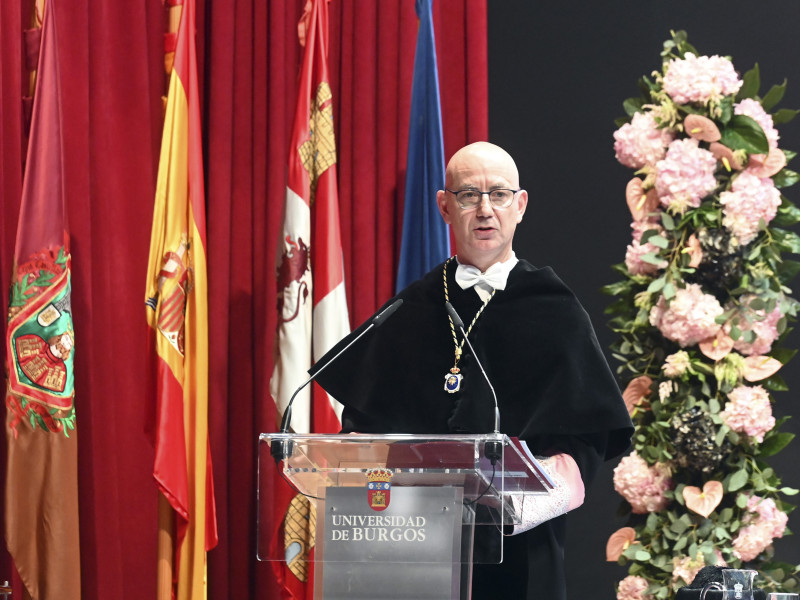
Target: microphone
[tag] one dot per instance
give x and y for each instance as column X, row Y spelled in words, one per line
column 492, row 449
column 283, row 449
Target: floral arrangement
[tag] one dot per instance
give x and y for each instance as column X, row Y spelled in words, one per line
column 700, row 313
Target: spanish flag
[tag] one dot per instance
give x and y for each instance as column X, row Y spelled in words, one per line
column 177, row 311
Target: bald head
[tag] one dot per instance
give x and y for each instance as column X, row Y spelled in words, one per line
column 482, row 153
column 484, row 232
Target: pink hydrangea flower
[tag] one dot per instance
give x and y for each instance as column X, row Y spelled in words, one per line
column 676, row 364
column 768, row 514
column 749, row 411
column 639, row 227
column 690, row 316
column 635, row 251
column 632, row 588
column 642, row 485
column 764, row 523
column 685, row 175
column 686, row 568
column 764, row 325
column 641, row 142
column 750, row 542
column 749, row 200
column 700, row 79
column 634, row 262
column 753, row 109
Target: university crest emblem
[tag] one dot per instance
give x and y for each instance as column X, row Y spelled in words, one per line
column 379, row 488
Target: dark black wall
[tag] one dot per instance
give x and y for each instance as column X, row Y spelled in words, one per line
column 558, row 73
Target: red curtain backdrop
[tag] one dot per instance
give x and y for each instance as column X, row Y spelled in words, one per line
column 112, row 56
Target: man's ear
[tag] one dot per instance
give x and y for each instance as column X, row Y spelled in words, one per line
column 522, row 204
column 444, row 208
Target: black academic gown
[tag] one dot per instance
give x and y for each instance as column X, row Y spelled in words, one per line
column 553, row 385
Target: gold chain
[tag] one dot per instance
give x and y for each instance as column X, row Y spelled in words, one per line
column 459, row 347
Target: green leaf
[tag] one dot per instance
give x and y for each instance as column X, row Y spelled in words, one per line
column 632, row 106
column 667, row 221
column 743, row 133
column 751, row 81
column 656, row 285
column 775, row 384
column 783, row 355
column 669, row 291
column 737, row 480
column 615, row 289
column 651, row 258
column 785, row 178
column 773, row 96
column 784, row 115
column 787, row 240
column 775, row 443
column 642, row 555
column 658, row 241
column 787, row 270
column 788, row 215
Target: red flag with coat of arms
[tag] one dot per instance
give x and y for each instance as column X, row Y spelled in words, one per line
column 311, row 296
column 41, row 517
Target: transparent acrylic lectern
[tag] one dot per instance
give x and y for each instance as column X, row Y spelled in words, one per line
column 392, row 516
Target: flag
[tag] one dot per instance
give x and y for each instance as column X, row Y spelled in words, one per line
column 177, row 311
column 312, row 308
column 41, row 517
column 426, row 240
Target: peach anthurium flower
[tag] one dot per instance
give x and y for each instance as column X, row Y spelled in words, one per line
column 767, row 165
column 757, row 367
column 718, row 347
column 726, row 156
column 694, row 250
column 637, row 390
column 703, row 502
column 619, row 542
column 701, row 128
column 640, row 204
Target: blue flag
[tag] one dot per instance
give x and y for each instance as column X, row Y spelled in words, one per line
column 426, row 240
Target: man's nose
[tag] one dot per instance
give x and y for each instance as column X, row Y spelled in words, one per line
column 485, row 207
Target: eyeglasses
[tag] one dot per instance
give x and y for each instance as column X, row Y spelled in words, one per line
column 470, row 198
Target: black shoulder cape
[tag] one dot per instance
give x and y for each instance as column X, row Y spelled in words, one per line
column 535, row 342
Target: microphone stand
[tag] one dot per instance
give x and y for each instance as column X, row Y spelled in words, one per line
column 493, row 450
column 284, row 448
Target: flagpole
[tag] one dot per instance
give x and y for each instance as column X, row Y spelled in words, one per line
column 166, row 549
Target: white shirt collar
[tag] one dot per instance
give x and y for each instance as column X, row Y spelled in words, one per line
column 494, row 278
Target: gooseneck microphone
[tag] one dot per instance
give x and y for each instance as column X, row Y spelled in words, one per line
column 283, row 449
column 492, row 449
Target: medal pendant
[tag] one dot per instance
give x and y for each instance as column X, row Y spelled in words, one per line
column 452, row 382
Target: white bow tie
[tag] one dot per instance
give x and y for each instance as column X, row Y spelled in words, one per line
column 495, row 276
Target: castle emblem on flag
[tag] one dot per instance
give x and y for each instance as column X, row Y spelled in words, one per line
column 318, row 153
column 379, row 488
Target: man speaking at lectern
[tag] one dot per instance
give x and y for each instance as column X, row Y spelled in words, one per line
column 554, row 388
